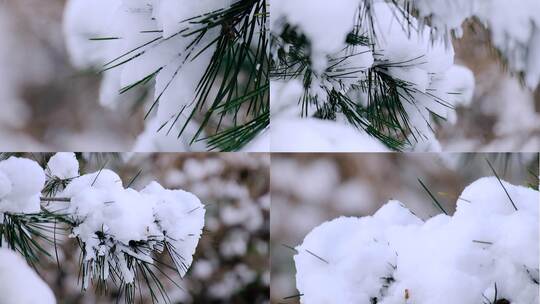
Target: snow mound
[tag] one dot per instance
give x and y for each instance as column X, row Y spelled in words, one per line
column 19, row 284
column 21, row 181
column 141, row 38
column 487, row 248
column 315, row 135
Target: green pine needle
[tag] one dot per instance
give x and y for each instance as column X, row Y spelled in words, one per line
column 435, row 201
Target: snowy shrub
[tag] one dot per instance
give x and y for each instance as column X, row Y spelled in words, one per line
column 119, row 229
column 486, row 252
column 205, row 61
column 384, row 68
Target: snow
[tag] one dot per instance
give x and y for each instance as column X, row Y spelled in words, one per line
column 308, row 16
column 169, row 213
column 261, row 143
column 115, row 224
column 83, row 21
column 434, row 83
column 21, row 181
column 291, row 133
column 514, row 27
column 100, row 203
column 396, row 257
column 5, row 185
column 64, row 165
column 427, row 61
column 150, row 31
column 153, row 139
column 19, row 284
column 315, row 135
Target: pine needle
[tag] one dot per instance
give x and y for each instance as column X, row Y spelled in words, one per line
column 502, row 185
column 435, row 201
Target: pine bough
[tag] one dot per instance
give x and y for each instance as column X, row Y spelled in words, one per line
column 119, row 230
column 384, row 69
column 205, row 61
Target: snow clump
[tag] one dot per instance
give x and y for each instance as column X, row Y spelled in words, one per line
column 21, row 181
column 487, row 251
column 64, row 165
column 112, row 221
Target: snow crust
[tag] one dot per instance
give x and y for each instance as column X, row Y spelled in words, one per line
column 21, row 181
column 19, row 284
column 395, row 257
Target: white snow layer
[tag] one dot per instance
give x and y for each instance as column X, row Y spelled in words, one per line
column 291, row 133
column 64, row 165
column 151, row 31
column 393, row 257
column 436, row 84
column 21, row 182
column 102, row 206
column 315, row 135
column 19, row 284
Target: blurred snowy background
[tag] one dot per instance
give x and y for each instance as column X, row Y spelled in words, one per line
column 504, row 115
column 308, row 190
column 231, row 262
column 48, row 105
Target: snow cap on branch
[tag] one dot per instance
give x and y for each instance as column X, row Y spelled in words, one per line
column 120, row 218
column 64, row 165
column 21, row 182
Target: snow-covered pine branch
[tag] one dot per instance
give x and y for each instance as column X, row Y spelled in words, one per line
column 382, row 70
column 486, row 252
column 205, row 61
column 119, row 230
